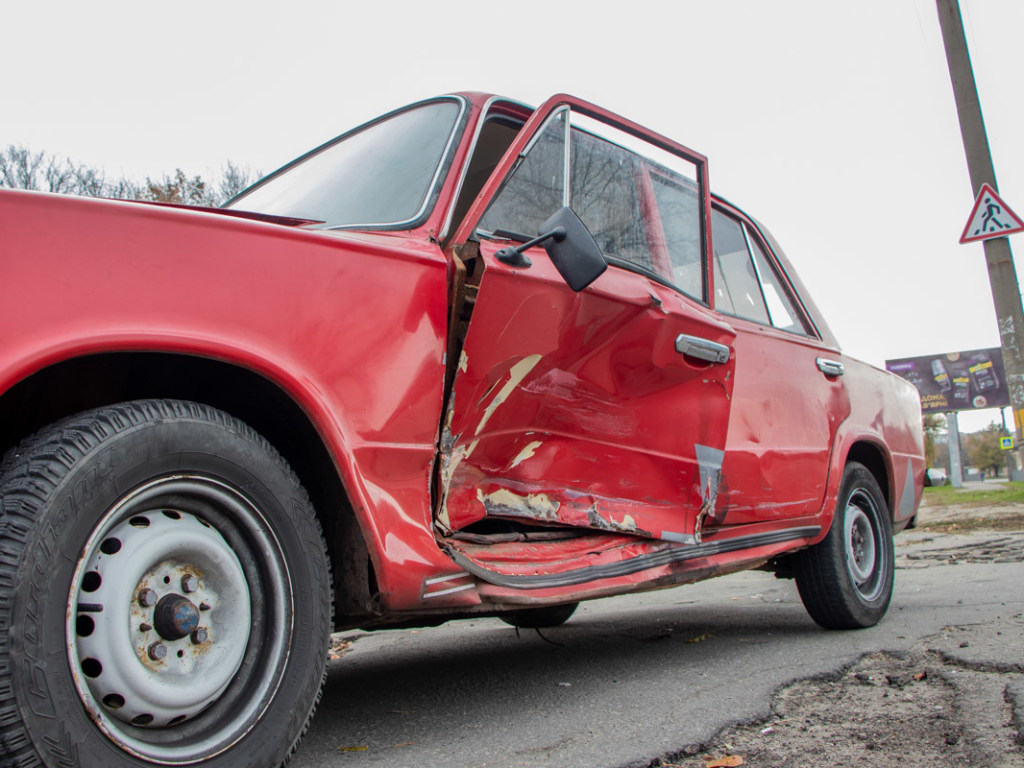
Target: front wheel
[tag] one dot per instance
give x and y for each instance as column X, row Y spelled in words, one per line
column 166, row 589
column 846, row 580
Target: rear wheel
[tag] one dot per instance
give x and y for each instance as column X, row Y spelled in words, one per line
column 164, row 580
column 846, row 581
column 542, row 617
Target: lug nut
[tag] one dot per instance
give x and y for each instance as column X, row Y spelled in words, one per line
column 157, row 651
column 199, row 636
column 147, row 598
column 189, row 583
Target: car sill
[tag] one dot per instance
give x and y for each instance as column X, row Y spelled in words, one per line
column 626, row 567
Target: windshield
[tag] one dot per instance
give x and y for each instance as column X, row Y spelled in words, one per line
column 383, row 174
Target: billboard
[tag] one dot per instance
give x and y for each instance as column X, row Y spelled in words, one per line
column 958, row 381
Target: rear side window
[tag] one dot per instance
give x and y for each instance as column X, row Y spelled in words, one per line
column 737, row 290
column 747, row 284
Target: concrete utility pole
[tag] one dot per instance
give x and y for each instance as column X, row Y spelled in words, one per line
column 956, row 467
column 1002, row 274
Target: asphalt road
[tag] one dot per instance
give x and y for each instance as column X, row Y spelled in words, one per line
column 632, row 678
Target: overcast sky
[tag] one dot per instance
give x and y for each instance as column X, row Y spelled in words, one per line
column 831, row 122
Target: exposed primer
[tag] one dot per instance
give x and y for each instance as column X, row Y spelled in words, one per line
column 698, row 524
column 679, row 538
column 447, row 440
column 709, row 461
column 596, row 520
column 444, row 522
column 463, row 362
column 516, row 375
column 526, row 453
column 450, row 463
column 536, row 506
column 658, row 303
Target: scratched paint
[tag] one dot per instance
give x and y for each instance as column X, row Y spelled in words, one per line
column 526, row 453
column 449, row 464
column 515, row 377
column 536, row 506
column 574, row 398
column 453, row 454
column 627, row 525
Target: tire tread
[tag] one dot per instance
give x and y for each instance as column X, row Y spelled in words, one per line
column 32, row 470
column 821, row 577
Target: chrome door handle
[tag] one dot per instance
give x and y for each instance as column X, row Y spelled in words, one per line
column 830, row 367
column 702, row 349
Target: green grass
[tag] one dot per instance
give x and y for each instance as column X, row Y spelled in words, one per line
column 1001, row 493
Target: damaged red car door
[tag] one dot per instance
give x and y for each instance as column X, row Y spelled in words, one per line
column 605, row 409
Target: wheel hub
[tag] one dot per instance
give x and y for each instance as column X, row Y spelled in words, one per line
column 860, row 542
column 149, row 655
column 175, row 617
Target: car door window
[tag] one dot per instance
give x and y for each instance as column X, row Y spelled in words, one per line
column 535, row 189
column 642, row 204
column 679, row 217
column 604, row 194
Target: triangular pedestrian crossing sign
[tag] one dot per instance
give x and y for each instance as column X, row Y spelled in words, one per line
column 990, row 218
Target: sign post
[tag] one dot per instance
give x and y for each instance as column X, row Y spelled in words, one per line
column 1002, row 274
column 956, row 467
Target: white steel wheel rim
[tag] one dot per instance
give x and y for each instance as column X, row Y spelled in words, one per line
column 151, row 704
column 165, row 559
column 862, row 547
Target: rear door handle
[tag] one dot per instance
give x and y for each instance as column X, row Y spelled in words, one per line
column 830, row 367
column 702, row 349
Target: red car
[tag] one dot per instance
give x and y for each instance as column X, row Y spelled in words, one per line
column 469, row 358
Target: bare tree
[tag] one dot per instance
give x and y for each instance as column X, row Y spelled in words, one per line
column 20, row 168
column 233, row 180
column 178, row 189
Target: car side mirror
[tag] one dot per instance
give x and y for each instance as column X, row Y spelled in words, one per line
column 576, row 255
column 570, row 246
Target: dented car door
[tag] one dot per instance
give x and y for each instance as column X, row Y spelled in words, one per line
column 605, row 409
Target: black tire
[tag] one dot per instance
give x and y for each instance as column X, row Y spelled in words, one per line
column 540, row 618
column 846, row 580
column 157, row 523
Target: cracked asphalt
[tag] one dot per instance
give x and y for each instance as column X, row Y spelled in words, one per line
column 673, row 677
